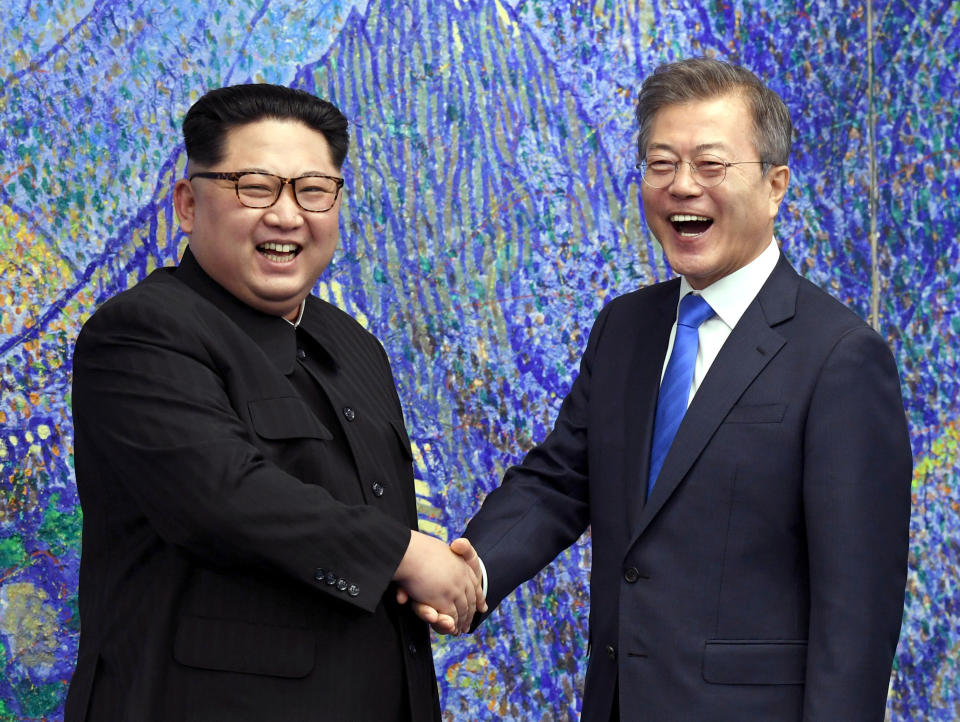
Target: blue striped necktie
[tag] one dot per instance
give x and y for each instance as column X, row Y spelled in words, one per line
column 675, row 387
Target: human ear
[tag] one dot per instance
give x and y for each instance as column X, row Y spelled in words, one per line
column 184, row 204
column 779, row 178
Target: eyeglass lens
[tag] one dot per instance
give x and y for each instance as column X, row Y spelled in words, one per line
column 708, row 171
column 313, row 193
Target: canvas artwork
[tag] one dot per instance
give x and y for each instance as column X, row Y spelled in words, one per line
column 491, row 209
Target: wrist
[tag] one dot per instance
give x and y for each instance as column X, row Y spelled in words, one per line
column 403, row 570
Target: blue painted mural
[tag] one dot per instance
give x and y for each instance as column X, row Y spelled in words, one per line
column 491, row 210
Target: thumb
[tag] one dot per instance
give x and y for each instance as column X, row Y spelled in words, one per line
column 464, row 548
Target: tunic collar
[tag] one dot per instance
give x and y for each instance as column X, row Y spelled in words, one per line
column 275, row 336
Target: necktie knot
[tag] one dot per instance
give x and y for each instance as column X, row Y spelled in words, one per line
column 694, row 310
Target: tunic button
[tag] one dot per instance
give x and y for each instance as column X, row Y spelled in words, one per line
column 377, row 488
column 331, row 578
column 631, row 575
column 353, row 590
column 301, row 354
column 412, row 648
column 611, row 652
column 349, row 414
column 342, row 585
column 320, row 575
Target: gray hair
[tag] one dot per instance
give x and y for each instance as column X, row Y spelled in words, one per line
column 697, row 79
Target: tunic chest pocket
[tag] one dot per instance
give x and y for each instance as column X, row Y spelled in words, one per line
column 401, row 435
column 286, row 417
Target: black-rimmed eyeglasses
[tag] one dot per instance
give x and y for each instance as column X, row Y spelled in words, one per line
column 708, row 170
column 315, row 193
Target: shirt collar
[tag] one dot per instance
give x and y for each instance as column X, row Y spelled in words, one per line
column 730, row 295
column 296, row 323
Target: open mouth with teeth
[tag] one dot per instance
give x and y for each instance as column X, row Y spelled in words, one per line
column 279, row 252
column 688, row 225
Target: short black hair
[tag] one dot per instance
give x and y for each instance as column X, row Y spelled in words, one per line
column 218, row 111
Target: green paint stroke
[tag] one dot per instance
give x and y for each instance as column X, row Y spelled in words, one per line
column 37, row 701
column 12, row 552
column 60, row 531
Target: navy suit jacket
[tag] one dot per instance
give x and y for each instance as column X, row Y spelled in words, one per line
column 764, row 577
column 238, row 548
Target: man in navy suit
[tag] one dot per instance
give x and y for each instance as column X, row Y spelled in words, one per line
column 750, row 553
column 242, row 462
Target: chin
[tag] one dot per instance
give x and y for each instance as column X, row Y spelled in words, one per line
column 684, row 263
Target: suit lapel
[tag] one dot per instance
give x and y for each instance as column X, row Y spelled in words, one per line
column 749, row 348
column 642, row 387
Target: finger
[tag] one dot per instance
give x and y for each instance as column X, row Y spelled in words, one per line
column 464, row 548
column 445, row 624
column 402, row 596
column 463, row 611
column 477, row 575
column 471, row 595
column 481, row 599
column 465, row 604
column 450, row 612
column 427, row 613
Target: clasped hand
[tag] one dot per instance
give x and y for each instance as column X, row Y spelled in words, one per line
column 442, row 583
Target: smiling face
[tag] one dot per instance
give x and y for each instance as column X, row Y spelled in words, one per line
column 708, row 233
column 269, row 258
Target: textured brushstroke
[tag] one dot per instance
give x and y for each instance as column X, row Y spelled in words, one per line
column 491, row 210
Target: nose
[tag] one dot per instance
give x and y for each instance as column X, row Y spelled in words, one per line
column 285, row 213
column 684, row 184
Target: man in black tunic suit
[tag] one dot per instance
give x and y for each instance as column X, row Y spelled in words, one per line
column 243, row 467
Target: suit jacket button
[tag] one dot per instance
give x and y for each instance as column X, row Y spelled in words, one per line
column 353, row 590
column 301, row 354
column 349, row 414
column 377, row 488
column 631, row 575
column 611, row 652
column 320, row 575
column 412, row 648
column 331, row 578
column 342, row 585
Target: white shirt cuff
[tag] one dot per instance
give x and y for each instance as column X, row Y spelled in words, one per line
column 483, row 573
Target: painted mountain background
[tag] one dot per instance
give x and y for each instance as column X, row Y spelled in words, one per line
column 491, row 209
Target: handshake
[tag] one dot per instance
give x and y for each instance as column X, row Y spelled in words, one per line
column 443, row 584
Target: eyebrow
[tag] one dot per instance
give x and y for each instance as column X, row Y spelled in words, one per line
column 712, row 146
column 305, row 174
column 659, row 146
column 699, row 149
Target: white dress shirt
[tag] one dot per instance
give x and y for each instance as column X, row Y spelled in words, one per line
column 729, row 298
